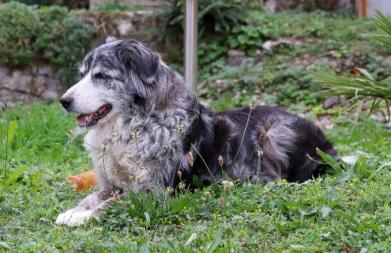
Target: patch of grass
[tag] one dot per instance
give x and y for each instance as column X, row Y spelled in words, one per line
column 345, row 210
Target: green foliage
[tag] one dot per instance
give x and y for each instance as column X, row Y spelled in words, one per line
column 258, row 28
column 313, row 5
column 145, row 210
column 68, row 3
column 365, row 86
column 356, row 88
column 215, row 17
column 63, row 39
column 52, row 34
column 115, row 6
column 18, row 28
column 216, row 20
column 384, row 25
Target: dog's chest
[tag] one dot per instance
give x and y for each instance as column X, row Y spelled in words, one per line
column 133, row 157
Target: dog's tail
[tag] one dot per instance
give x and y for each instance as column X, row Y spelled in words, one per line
column 277, row 139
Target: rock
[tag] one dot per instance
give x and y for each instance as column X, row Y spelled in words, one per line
column 282, row 5
column 331, row 102
column 272, row 44
column 235, row 57
column 324, row 122
column 143, row 25
column 30, row 84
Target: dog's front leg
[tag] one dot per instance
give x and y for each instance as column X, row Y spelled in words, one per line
column 86, row 209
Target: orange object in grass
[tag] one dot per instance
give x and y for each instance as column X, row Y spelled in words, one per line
column 84, row 181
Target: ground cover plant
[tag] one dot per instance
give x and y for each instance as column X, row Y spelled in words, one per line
column 348, row 210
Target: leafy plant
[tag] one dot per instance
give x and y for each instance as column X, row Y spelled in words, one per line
column 68, row 3
column 257, row 28
column 216, row 20
column 215, row 17
column 364, row 86
column 63, row 39
column 146, row 209
column 18, row 29
column 115, row 6
column 313, row 5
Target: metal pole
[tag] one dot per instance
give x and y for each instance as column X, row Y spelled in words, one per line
column 191, row 35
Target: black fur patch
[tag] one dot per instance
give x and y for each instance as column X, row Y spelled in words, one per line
column 235, row 136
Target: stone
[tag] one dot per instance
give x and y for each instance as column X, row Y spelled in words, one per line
column 235, row 57
column 270, row 45
column 143, row 25
column 324, row 122
column 331, row 102
column 30, row 84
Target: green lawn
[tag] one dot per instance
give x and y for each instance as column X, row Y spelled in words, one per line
column 347, row 210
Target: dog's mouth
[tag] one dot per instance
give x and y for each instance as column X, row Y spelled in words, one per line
column 90, row 119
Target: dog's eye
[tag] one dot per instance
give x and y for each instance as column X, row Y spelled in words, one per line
column 100, row 75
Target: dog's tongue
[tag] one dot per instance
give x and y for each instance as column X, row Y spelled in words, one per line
column 82, row 120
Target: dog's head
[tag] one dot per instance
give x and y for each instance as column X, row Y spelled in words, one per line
column 120, row 76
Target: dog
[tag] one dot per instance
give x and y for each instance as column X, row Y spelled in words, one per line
column 148, row 132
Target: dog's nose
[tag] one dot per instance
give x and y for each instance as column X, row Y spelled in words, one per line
column 66, row 102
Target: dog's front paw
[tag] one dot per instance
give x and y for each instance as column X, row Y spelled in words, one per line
column 75, row 217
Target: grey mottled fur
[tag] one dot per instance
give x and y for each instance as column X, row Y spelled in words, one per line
column 138, row 146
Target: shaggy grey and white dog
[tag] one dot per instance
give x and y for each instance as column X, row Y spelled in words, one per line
column 147, row 132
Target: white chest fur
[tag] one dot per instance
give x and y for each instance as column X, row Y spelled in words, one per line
column 137, row 155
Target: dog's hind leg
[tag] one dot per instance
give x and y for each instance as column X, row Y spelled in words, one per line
column 88, row 208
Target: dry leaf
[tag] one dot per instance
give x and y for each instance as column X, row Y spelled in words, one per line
column 84, row 181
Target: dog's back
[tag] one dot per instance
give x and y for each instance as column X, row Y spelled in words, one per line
column 259, row 143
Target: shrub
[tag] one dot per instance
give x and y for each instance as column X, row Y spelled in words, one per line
column 363, row 86
column 63, row 39
column 215, row 17
column 313, row 5
column 68, row 3
column 18, row 27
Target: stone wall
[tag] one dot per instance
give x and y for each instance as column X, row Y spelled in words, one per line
column 144, row 25
column 30, row 84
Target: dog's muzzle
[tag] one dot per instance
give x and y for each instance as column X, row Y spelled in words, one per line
column 66, row 102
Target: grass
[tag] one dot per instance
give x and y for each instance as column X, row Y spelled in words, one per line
column 348, row 210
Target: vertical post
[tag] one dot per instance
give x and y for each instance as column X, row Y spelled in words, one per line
column 364, row 8
column 191, row 35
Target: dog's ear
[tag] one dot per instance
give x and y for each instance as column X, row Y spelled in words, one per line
column 140, row 59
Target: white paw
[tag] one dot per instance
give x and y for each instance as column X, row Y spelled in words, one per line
column 74, row 217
